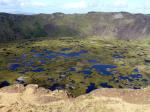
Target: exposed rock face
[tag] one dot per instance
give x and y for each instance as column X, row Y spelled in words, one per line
column 17, row 98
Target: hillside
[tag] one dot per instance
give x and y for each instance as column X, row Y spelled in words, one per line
column 18, row 98
column 121, row 25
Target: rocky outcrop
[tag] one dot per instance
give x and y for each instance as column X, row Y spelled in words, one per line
column 17, row 98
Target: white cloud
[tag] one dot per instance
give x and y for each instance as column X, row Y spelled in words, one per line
column 39, row 4
column 22, row 3
column 75, row 5
column 113, row 4
column 146, row 6
column 120, row 3
column 32, row 4
column 7, row 2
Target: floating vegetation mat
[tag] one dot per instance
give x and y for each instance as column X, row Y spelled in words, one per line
column 77, row 65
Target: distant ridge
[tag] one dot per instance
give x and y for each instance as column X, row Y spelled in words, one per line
column 121, row 25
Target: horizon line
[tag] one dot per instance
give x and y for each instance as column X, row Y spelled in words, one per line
column 30, row 13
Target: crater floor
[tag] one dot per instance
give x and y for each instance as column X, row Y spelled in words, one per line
column 76, row 65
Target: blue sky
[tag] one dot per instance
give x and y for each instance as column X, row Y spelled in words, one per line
column 74, row 6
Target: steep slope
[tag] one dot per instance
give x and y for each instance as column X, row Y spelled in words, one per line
column 18, row 98
column 121, row 25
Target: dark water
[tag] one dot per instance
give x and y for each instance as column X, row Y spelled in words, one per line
column 87, row 72
column 147, row 61
column 35, row 61
column 57, row 86
column 4, row 83
column 136, row 87
column 136, row 70
column 144, row 80
column 72, row 69
column 135, row 75
column 91, row 87
column 124, row 78
column 14, row 67
column 104, row 69
column 38, row 70
column 106, row 85
column 51, row 54
column 100, row 68
column 41, row 57
column 73, row 54
column 92, row 61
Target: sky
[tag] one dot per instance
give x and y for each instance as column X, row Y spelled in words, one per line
column 74, row 6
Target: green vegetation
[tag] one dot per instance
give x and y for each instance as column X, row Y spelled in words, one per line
column 104, row 25
column 133, row 55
